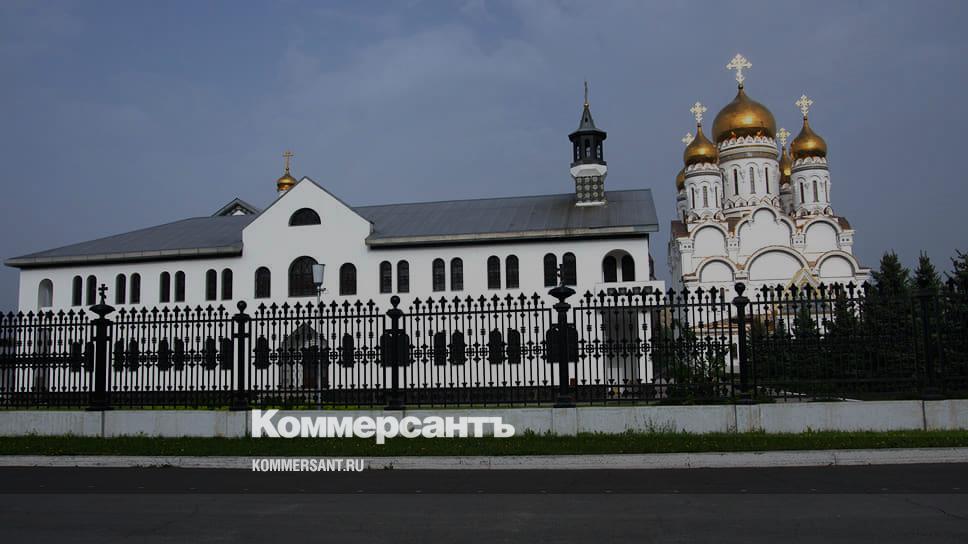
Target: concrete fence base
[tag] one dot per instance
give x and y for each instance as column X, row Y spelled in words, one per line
column 770, row 418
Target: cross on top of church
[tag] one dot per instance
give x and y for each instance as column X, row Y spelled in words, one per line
column 688, row 138
column 804, row 104
column 782, row 135
column 288, row 155
column 586, row 93
column 697, row 110
column 739, row 63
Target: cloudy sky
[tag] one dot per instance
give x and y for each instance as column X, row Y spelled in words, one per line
column 120, row 115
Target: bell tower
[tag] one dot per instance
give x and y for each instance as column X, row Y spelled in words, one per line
column 588, row 166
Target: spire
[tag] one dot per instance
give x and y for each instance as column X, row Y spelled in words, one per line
column 588, row 167
column 586, row 123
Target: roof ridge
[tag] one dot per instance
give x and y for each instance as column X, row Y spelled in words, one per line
column 490, row 198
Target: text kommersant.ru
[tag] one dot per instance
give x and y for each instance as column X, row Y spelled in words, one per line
column 265, row 423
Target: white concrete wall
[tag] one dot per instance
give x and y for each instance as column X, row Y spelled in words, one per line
column 771, row 418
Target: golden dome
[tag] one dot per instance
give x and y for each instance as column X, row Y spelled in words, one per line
column 681, row 179
column 700, row 150
column 808, row 143
column 286, row 181
column 743, row 117
column 786, row 166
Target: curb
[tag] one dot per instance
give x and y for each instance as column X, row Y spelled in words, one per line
column 649, row 461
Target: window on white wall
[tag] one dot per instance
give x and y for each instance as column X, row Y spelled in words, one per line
column 45, row 294
column 816, row 194
column 179, row 286
column 439, row 275
column 211, row 285
column 569, row 269
column 135, row 293
column 226, row 284
column 164, row 287
column 263, row 283
column 456, row 274
column 403, row 277
column 511, row 272
column 752, row 180
column 120, row 288
column 90, row 294
column 705, row 196
column 77, row 291
column 386, row 277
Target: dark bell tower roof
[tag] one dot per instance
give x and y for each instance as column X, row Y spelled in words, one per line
column 588, row 140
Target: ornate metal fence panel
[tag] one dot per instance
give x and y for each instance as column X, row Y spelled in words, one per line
column 311, row 355
column 180, row 356
column 478, row 351
column 46, row 359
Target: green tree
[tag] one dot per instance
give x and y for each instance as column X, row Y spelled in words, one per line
column 960, row 270
column 892, row 278
column 925, row 276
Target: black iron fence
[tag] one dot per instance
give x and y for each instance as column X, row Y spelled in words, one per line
column 775, row 344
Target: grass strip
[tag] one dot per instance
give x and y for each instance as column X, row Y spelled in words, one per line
column 526, row 444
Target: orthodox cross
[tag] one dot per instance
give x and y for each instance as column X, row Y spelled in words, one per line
column 783, row 134
column 739, row 63
column 102, row 291
column 586, row 93
column 697, row 110
column 688, row 138
column 288, row 155
column 804, row 104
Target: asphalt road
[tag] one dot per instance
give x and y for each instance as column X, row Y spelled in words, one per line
column 904, row 503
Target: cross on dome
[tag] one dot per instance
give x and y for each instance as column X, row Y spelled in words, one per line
column 688, row 138
column 782, row 135
column 288, row 155
column 697, row 110
column 739, row 63
column 804, row 104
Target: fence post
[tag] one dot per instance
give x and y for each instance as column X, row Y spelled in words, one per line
column 391, row 354
column 102, row 344
column 240, row 398
column 562, row 292
column 741, row 302
column 929, row 388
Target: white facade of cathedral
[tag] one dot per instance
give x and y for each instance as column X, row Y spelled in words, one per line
column 748, row 212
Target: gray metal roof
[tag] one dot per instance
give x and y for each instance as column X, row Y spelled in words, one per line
column 627, row 213
column 512, row 218
column 195, row 237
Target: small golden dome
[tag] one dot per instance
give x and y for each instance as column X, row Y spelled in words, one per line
column 285, row 182
column 743, row 117
column 681, row 179
column 808, row 143
column 700, row 150
column 786, row 166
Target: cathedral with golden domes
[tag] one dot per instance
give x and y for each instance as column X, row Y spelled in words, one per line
column 750, row 210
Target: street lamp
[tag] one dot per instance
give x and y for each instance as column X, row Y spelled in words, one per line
column 319, row 271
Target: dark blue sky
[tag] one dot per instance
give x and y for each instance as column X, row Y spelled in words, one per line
column 120, row 115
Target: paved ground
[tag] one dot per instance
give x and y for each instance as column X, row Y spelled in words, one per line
column 910, row 503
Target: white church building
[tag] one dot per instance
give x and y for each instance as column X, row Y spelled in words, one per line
column 748, row 212
column 596, row 239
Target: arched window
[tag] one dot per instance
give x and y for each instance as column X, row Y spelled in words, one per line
column 77, row 291
column 550, row 270
column 610, row 269
column 766, row 178
column 403, row 277
column 226, row 284
column 752, row 180
column 179, row 286
column 211, row 285
column 511, row 272
column 135, row 295
column 301, row 277
column 386, row 277
column 735, row 181
column 802, row 198
column 304, row 216
column 493, row 272
column 717, row 198
column 569, row 271
column 263, row 282
column 120, row 288
column 164, row 287
column 439, row 278
column 692, row 197
column 347, row 279
column 456, row 274
column 90, row 294
column 45, row 294
column 628, row 268
column 816, row 194
column 826, row 191
column 705, row 196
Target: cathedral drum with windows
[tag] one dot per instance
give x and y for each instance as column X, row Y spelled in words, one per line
column 746, row 211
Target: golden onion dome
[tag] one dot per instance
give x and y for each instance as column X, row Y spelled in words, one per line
column 808, row 143
column 786, row 166
column 743, row 117
column 681, row 179
column 700, row 150
column 285, row 182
